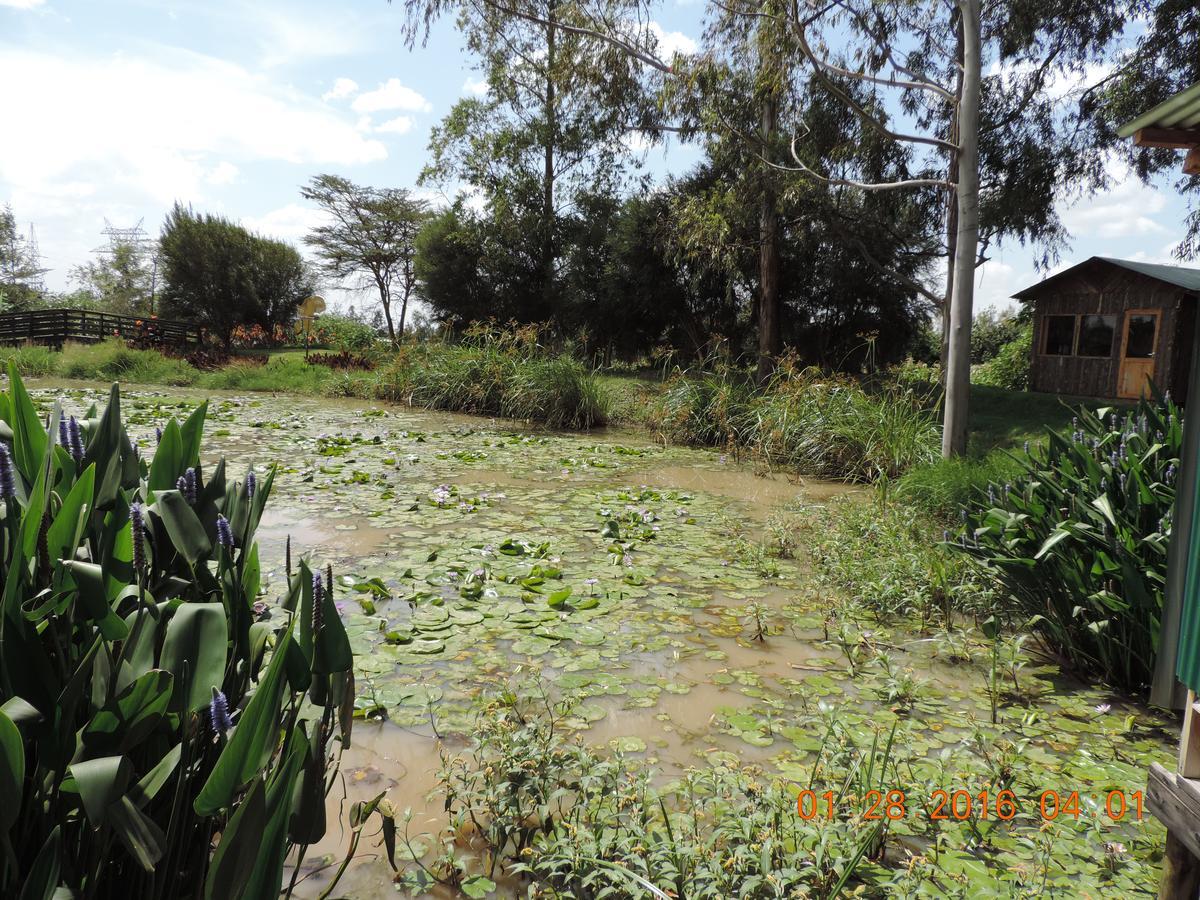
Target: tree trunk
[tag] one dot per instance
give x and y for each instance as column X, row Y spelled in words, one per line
column 951, row 213
column 769, row 344
column 551, row 125
column 386, row 300
column 966, row 248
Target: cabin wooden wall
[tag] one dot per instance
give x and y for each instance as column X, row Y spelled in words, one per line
column 1110, row 290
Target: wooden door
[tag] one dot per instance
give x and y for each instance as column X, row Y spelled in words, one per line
column 1139, row 344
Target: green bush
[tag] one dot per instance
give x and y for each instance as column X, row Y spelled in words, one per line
column 31, row 360
column 1080, row 540
column 345, row 333
column 820, row 425
column 1009, row 368
column 151, row 704
column 111, row 360
column 499, row 373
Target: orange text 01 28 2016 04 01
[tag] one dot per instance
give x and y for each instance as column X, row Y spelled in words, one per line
column 962, row 804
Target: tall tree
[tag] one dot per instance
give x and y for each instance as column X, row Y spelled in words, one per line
column 220, row 275
column 19, row 270
column 120, row 280
column 371, row 233
column 551, row 130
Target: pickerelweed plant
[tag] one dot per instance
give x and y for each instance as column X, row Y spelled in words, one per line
column 155, row 737
column 1080, row 541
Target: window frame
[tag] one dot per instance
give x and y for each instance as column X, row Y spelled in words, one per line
column 1045, row 335
column 1112, row 342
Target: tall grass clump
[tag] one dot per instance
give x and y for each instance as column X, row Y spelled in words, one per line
column 112, row 360
column 944, row 487
column 497, row 372
column 30, row 360
column 818, row 424
column 1080, row 539
column 169, row 726
column 288, row 374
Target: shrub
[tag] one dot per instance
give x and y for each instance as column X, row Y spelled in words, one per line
column 31, row 360
column 112, row 360
column 1010, row 366
column 148, row 699
column 1080, row 541
column 344, row 333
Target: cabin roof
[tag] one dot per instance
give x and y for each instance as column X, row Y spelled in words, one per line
column 1179, row 276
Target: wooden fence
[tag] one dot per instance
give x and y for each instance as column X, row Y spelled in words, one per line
column 57, row 326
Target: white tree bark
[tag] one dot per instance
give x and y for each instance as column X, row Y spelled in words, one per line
column 962, row 297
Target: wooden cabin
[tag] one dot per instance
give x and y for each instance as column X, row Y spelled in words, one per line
column 1104, row 327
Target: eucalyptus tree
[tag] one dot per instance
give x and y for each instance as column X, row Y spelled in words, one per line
column 371, row 233
column 553, row 126
column 19, row 268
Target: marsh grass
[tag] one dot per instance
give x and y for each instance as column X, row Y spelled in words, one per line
column 31, row 360
column 499, row 373
column 818, row 424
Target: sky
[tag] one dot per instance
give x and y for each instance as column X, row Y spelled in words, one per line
column 115, row 110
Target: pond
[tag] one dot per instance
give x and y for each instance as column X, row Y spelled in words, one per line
column 640, row 580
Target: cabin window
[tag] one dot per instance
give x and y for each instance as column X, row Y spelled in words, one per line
column 1140, row 334
column 1096, row 335
column 1059, row 337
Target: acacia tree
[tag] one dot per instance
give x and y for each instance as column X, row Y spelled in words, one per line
column 372, row 234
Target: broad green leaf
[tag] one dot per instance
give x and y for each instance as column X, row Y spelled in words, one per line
column 191, row 433
column 100, row 783
column 42, row 880
column 307, row 822
column 141, row 836
column 29, row 434
column 184, row 529
column 235, row 856
column 12, row 772
column 253, row 740
column 272, row 844
column 67, row 529
column 196, row 650
column 93, row 599
column 129, row 718
column 167, row 465
column 152, row 782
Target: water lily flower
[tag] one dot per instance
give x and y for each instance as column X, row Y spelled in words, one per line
column 261, row 609
column 8, row 481
column 218, row 711
column 224, row 533
column 1103, row 708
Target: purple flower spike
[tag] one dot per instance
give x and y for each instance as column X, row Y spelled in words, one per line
column 251, row 484
column 190, row 485
column 137, row 525
column 224, row 533
column 157, row 435
column 8, row 481
column 318, row 607
column 218, row 711
column 64, row 438
column 75, row 439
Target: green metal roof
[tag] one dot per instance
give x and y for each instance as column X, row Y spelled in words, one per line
column 1188, row 279
column 1179, row 111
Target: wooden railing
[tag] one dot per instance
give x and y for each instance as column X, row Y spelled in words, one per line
column 57, row 326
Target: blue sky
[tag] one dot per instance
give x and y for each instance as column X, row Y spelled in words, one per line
column 114, row 110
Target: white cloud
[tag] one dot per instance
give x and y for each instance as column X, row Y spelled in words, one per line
column 289, row 223
column 21, row 4
column 476, row 86
column 197, row 124
column 1128, row 208
column 342, row 87
column 391, row 95
column 398, row 125
column 672, row 42
column 224, row 172
column 286, row 38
